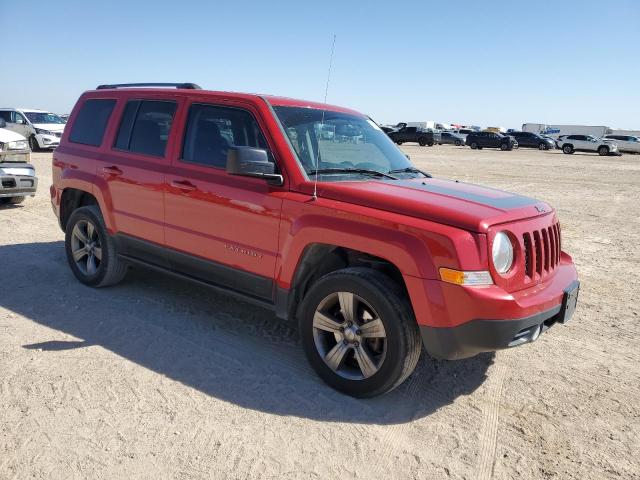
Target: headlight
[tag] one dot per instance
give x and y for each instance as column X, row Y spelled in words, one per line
column 502, row 252
column 17, row 145
column 42, row 131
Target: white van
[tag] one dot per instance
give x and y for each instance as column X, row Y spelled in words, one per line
column 43, row 129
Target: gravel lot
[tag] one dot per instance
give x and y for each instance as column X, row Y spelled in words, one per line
column 160, row 378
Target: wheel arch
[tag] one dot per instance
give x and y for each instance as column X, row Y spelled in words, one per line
column 72, row 199
column 319, row 259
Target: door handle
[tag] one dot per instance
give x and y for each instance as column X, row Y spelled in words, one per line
column 183, row 185
column 112, row 171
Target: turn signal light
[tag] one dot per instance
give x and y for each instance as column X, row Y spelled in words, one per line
column 458, row 277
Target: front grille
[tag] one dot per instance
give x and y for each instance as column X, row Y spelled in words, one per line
column 541, row 251
column 10, row 183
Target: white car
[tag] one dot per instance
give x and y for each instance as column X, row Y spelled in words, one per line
column 626, row 143
column 43, row 129
column 586, row 143
column 17, row 176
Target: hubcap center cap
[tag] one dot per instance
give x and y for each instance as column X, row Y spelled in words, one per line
column 350, row 334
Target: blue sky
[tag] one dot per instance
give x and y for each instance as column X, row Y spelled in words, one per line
column 497, row 63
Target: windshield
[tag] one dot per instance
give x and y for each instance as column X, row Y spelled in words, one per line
column 41, row 117
column 342, row 141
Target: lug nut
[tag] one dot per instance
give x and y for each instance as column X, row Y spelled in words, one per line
column 345, row 342
column 358, row 332
column 349, row 324
column 356, row 344
column 342, row 329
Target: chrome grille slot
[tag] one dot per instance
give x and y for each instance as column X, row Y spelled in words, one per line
column 541, row 250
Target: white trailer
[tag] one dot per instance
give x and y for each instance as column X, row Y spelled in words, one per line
column 556, row 130
column 422, row 125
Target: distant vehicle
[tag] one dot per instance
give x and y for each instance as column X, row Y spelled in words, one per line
column 414, row 134
column 533, row 140
column 556, row 131
column 64, row 116
column 43, row 129
column 451, row 139
column 479, row 140
column 586, row 143
column 625, row 143
column 17, row 175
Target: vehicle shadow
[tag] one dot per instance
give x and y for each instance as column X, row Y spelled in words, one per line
column 224, row 348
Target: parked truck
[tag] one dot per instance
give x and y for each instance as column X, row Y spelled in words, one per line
column 557, row 130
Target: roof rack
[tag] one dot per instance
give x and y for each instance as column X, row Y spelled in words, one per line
column 188, row 86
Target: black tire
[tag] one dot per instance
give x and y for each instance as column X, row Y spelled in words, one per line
column 33, row 144
column 16, row 200
column 504, row 147
column 543, row 146
column 430, row 144
column 568, row 149
column 402, row 337
column 111, row 269
column 603, row 151
column 458, row 143
column 422, row 141
column 473, row 145
column 398, row 142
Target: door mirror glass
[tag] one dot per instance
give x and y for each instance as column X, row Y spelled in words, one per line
column 252, row 162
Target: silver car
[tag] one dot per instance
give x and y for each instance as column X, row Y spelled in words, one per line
column 586, row 143
column 626, row 143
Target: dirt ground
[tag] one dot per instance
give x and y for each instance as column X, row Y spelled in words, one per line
column 160, row 378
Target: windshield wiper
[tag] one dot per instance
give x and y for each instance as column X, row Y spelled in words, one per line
column 363, row 171
column 410, row 170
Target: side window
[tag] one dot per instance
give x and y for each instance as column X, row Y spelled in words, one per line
column 90, row 123
column 211, row 130
column 145, row 127
column 6, row 116
column 19, row 118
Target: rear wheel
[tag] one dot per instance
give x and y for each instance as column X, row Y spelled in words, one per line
column 422, row 141
column 603, row 150
column 473, row 145
column 358, row 332
column 457, row 143
column 568, row 149
column 398, row 142
column 91, row 252
column 504, row 146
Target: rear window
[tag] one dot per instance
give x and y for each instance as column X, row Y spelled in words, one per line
column 90, row 123
column 145, row 127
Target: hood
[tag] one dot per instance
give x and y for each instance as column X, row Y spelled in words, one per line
column 7, row 136
column 52, row 127
column 454, row 203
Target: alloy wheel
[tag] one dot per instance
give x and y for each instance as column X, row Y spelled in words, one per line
column 86, row 248
column 349, row 336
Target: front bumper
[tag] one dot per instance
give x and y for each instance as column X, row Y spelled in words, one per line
column 48, row 141
column 479, row 336
column 17, row 179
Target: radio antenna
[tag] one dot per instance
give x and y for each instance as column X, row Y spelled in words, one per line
column 326, row 91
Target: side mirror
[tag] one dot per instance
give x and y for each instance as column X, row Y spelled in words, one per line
column 252, row 162
column 3, row 124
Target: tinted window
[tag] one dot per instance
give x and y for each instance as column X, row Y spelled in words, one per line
column 90, row 123
column 145, row 127
column 212, row 130
column 6, row 116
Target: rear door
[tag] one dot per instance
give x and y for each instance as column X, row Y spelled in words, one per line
column 222, row 228
column 16, row 122
column 134, row 173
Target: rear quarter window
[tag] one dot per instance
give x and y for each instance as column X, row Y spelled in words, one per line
column 145, row 126
column 91, row 122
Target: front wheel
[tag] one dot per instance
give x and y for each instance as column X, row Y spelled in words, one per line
column 422, row 142
column 358, row 332
column 458, row 143
column 12, row 200
column 504, row 147
column 33, row 143
column 603, row 151
column 398, row 142
column 91, row 252
column 543, row 146
column 473, row 145
column 568, row 149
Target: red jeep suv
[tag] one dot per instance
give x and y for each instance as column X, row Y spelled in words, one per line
column 311, row 211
